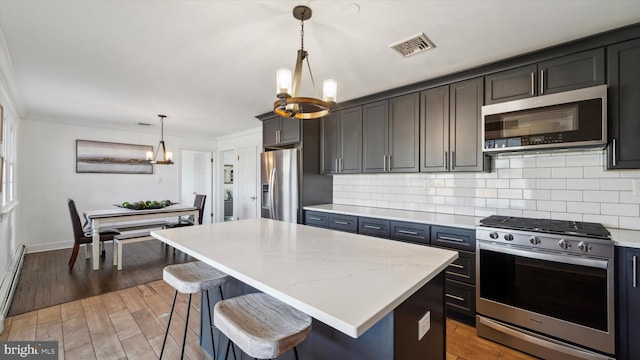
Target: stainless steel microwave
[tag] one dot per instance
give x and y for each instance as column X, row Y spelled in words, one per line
column 576, row 118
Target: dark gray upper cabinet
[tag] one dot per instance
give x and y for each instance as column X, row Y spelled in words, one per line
column 451, row 128
column 342, row 142
column 623, row 150
column 572, row 72
column 391, row 134
column 514, row 84
column 280, row 131
column 565, row 73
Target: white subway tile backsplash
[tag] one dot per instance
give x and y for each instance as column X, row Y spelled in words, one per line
column 583, row 207
column 620, row 209
column 552, row 161
column 536, row 194
column 561, row 185
column 510, row 193
column 584, row 184
column 566, row 195
column 632, row 223
column 608, row 221
column 556, row 206
column 601, row 196
column 551, row 183
column 616, row 184
column 567, row 172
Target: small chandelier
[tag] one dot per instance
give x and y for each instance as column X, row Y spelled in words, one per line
column 289, row 104
column 167, row 157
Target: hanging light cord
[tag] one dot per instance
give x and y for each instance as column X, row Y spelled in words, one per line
column 313, row 82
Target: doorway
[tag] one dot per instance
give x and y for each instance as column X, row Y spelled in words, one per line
column 196, row 178
column 227, row 184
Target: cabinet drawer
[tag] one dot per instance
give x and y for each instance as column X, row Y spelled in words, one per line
column 374, row 227
column 453, row 238
column 343, row 223
column 412, row 232
column 460, row 297
column 463, row 269
column 315, row 218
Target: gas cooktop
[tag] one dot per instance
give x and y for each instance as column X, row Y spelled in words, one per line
column 561, row 227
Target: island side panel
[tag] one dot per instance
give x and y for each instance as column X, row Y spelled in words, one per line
column 430, row 298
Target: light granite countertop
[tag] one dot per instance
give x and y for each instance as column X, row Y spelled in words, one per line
column 620, row 237
column 344, row 280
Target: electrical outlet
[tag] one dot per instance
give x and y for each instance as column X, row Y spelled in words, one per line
column 636, row 187
column 424, row 325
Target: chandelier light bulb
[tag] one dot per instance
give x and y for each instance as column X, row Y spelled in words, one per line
column 283, row 82
column 329, row 90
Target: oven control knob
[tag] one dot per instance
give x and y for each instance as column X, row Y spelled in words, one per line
column 583, row 246
column 535, row 240
column 494, row 235
column 508, row 237
column 564, row 244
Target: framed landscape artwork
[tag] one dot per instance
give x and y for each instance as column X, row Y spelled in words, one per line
column 108, row 157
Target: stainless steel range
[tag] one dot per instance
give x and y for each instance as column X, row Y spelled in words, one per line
column 546, row 287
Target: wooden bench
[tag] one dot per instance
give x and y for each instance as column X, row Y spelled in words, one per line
column 130, row 237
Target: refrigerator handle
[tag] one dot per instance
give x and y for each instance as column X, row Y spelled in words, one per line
column 272, row 190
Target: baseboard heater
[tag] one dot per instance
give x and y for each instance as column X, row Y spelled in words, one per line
column 9, row 283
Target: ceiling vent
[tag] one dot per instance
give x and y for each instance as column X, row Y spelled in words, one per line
column 413, row 45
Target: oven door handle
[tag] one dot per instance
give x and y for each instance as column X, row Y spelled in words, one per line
column 596, row 263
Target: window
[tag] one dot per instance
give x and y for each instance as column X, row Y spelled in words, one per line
column 8, row 159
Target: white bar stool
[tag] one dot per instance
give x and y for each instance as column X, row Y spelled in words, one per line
column 262, row 326
column 192, row 278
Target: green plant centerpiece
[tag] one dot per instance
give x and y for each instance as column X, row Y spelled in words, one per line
column 143, row 205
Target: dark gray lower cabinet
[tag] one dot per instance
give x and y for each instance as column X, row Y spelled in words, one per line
column 628, row 303
column 316, row 218
column 624, row 108
column 460, row 276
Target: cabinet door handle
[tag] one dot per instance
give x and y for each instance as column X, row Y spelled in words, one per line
column 457, row 274
column 389, row 161
column 446, row 160
column 315, row 218
column 384, row 163
column 278, row 136
column 453, row 160
column 447, row 238
column 456, row 266
column 336, row 163
column 414, row 233
column 341, row 164
column 373, row 227
column 613, row 146
column 533, row 83
column 454, row 297
column 341, row 222
column 542, row 82
column 634, row 261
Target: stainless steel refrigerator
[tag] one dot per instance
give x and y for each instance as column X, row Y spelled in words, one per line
column 280, row 195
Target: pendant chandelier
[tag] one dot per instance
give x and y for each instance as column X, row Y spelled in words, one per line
column 290, row 105
column 167, row 157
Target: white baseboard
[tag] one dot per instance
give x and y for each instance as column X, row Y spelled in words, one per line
column 9, row 283
column 34, row 248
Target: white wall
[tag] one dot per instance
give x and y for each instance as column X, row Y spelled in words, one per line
column 47, row 152
column 560, row 185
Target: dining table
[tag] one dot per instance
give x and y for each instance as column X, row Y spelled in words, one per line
column 98, row 219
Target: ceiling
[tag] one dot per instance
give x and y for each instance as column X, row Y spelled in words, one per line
column 210, row 65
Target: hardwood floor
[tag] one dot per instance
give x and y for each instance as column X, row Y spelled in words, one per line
column 110, row 314
column 45, row 279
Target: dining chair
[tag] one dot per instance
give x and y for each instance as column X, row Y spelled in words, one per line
column 80, row 236
column 198, row 202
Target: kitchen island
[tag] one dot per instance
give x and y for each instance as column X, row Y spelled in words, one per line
column 367, row 295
